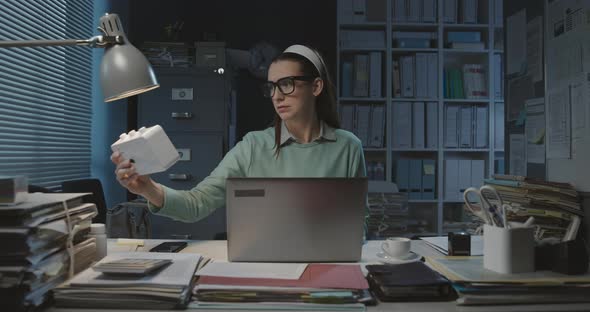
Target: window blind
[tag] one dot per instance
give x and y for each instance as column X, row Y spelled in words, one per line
column 46, row 93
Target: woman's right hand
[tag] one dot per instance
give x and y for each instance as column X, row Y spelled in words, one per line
column 127, row 176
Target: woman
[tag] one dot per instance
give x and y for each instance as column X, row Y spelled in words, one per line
column 304, row 142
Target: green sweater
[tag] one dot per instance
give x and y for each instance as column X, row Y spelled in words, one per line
column 335, row 153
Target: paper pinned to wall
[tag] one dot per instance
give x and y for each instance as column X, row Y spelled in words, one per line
column 567, row 48
column 520, row 89
column 517, row 154
column 516, row 42
column 580, row 92
column 534, row 48
column 558, row 124
column 535, row 130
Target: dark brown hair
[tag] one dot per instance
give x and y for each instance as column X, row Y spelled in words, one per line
column 325, row 102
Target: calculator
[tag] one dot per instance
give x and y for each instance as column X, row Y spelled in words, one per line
column 131, row 266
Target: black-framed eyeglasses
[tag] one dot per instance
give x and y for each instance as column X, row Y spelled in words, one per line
column 286, row 85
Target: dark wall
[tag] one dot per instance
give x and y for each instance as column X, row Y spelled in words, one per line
column 241, row 24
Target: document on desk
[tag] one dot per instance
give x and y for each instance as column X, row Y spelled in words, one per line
column 476, row 285
column 441, row 244
column 254, row 270
column 176, row 275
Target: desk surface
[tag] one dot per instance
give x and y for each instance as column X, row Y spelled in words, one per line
column 218, row 250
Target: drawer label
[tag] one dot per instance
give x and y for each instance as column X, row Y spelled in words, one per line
column 184, row 153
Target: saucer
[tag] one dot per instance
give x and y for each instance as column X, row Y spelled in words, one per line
column 411, row 257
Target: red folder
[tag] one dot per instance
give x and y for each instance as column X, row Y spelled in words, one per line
column 339, row 276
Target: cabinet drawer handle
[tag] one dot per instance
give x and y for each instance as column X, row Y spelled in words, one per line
column 179, row 176
column 184, row 115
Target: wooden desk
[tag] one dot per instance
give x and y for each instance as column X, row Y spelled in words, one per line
column 218, row 251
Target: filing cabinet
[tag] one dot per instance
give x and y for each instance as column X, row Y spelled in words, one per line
column 191, row 105
column 200, row 154
column 187, row 100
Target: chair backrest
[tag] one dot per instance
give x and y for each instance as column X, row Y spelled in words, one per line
column 89, row 186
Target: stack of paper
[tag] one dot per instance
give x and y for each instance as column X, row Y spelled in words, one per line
column 477, row 285
column 320, row 287
column 168, row 54
column 555, row 206
column 167, row 288
column 33, row 237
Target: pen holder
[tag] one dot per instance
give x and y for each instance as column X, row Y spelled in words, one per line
column 508, row 250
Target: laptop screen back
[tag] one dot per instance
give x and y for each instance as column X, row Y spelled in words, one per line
column 295, row 219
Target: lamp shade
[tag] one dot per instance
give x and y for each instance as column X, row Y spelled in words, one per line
column 124, row 70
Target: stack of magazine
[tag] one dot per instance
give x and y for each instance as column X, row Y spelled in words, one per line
column 166, row 288
column 33, row 238
column 556, row 207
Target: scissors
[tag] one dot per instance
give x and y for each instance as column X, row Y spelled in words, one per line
column 491, row 208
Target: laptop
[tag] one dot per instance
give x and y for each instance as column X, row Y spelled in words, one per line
column 295, row 219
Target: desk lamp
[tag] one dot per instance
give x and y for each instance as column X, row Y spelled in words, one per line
column 124, row 70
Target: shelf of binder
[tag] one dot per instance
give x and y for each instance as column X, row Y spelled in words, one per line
column 423, row 201
column 468, row 100
column 421, row 39
column 414, row 149
column 472, row 150
column 361, row 99
column 466, row 26
column 466, row 51
column 365, row 25
column 409, row 50
column 360, row 49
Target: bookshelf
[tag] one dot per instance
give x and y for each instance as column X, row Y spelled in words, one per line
column 440, row 213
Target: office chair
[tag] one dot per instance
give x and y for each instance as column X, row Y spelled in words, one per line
column 97, row 197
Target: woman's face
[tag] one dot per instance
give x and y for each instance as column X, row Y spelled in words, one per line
column 298, row 105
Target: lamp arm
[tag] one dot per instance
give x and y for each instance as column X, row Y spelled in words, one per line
column 96, row 41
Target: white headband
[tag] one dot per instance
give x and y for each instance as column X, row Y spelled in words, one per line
column 309, row 54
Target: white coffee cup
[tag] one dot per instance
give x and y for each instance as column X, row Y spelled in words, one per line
column 396, row 247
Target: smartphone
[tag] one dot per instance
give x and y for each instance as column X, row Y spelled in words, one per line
column 169, row 247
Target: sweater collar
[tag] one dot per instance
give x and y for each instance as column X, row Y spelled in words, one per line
column 326, row 133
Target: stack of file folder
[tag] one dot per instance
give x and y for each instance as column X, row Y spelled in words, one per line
column 555, row 206
column 334, row 287
column 168, row 288
column 33, row 238
column 477, row 286
column 388, row 214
